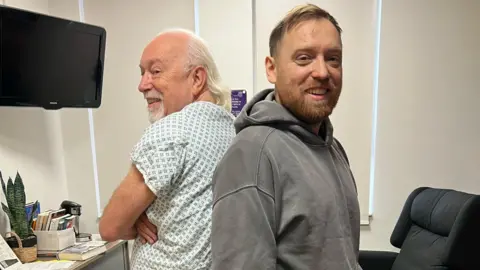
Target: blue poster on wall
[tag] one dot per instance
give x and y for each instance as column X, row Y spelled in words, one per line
column 239, row 99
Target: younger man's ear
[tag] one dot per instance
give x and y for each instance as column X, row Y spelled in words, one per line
column 270, row 69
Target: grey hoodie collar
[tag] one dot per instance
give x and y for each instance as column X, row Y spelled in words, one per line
column 262, row 110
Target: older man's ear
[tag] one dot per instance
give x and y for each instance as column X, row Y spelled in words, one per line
column 199, row 77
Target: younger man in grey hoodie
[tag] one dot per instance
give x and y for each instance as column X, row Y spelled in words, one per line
column 284, row 195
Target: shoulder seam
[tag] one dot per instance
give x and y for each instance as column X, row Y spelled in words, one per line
column 260, row 155
column 256, row 174
column 240, row 189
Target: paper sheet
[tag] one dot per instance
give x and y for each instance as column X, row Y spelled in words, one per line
column 8, row 259
column 48, row 265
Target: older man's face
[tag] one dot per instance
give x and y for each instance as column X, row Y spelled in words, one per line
column 164, row 82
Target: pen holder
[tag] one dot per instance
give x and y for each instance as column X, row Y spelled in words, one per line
column 55, row 240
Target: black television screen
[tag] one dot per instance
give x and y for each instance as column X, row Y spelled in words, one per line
column 49, row 62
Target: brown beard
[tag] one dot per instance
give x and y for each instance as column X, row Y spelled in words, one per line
column 308, row 112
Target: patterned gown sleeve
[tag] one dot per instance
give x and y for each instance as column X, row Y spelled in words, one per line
column 160, row 155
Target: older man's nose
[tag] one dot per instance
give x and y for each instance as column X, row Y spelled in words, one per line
column 145, row 83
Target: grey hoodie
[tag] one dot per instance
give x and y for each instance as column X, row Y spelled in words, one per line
column 284, row 197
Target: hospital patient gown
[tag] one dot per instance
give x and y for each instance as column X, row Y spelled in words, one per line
column 177, row 156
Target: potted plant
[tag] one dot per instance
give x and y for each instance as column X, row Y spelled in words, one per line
column 22, row 240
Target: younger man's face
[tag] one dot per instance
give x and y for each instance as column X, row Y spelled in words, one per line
column 307, row 70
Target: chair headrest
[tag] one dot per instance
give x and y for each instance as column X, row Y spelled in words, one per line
column 436, row 209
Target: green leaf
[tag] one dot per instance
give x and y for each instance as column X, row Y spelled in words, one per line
column 9, row 214
column 10, row 193
column 16, row 198
column 20, row 198
column 20, row 222
column 3, row 185
column 14, row 219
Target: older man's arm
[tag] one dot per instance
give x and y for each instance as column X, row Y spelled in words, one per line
column 145, row 230
column 128, row 202
column 157, row 163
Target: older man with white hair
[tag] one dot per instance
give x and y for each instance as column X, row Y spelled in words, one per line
column 168, row 187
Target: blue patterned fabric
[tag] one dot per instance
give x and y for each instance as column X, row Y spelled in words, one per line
column 177, row 156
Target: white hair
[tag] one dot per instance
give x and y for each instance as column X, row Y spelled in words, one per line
column 199, row 55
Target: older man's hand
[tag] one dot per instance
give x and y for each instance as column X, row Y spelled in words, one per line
column 146, row 230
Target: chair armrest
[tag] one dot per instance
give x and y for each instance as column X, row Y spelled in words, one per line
column 376, row 260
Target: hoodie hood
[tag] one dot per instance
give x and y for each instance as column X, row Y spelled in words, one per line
column 263, row 110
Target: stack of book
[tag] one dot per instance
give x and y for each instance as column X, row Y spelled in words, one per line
column 53, row 220
column 82, row 251
column 29, row 210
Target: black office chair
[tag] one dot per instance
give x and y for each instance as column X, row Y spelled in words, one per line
column 438, row 229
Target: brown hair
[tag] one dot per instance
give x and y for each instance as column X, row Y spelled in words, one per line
column 294, row 17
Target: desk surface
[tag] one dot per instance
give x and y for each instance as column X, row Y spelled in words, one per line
column 82, row 264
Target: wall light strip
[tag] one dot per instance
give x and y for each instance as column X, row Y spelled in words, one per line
column 81, row 12
column 254, row 46
column 196, row 14
column 375, row 106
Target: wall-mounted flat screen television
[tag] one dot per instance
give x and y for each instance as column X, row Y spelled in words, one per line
column 49, row 62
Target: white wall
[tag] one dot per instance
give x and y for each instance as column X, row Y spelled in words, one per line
column 75, row 134
column 40, row 6
column 29, row 142
column 427, row 105
column 51, row 149
column 229, row 36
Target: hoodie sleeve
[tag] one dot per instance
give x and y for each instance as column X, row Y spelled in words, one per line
column 243, row 232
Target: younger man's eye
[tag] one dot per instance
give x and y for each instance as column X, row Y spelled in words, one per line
column 303, row 60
